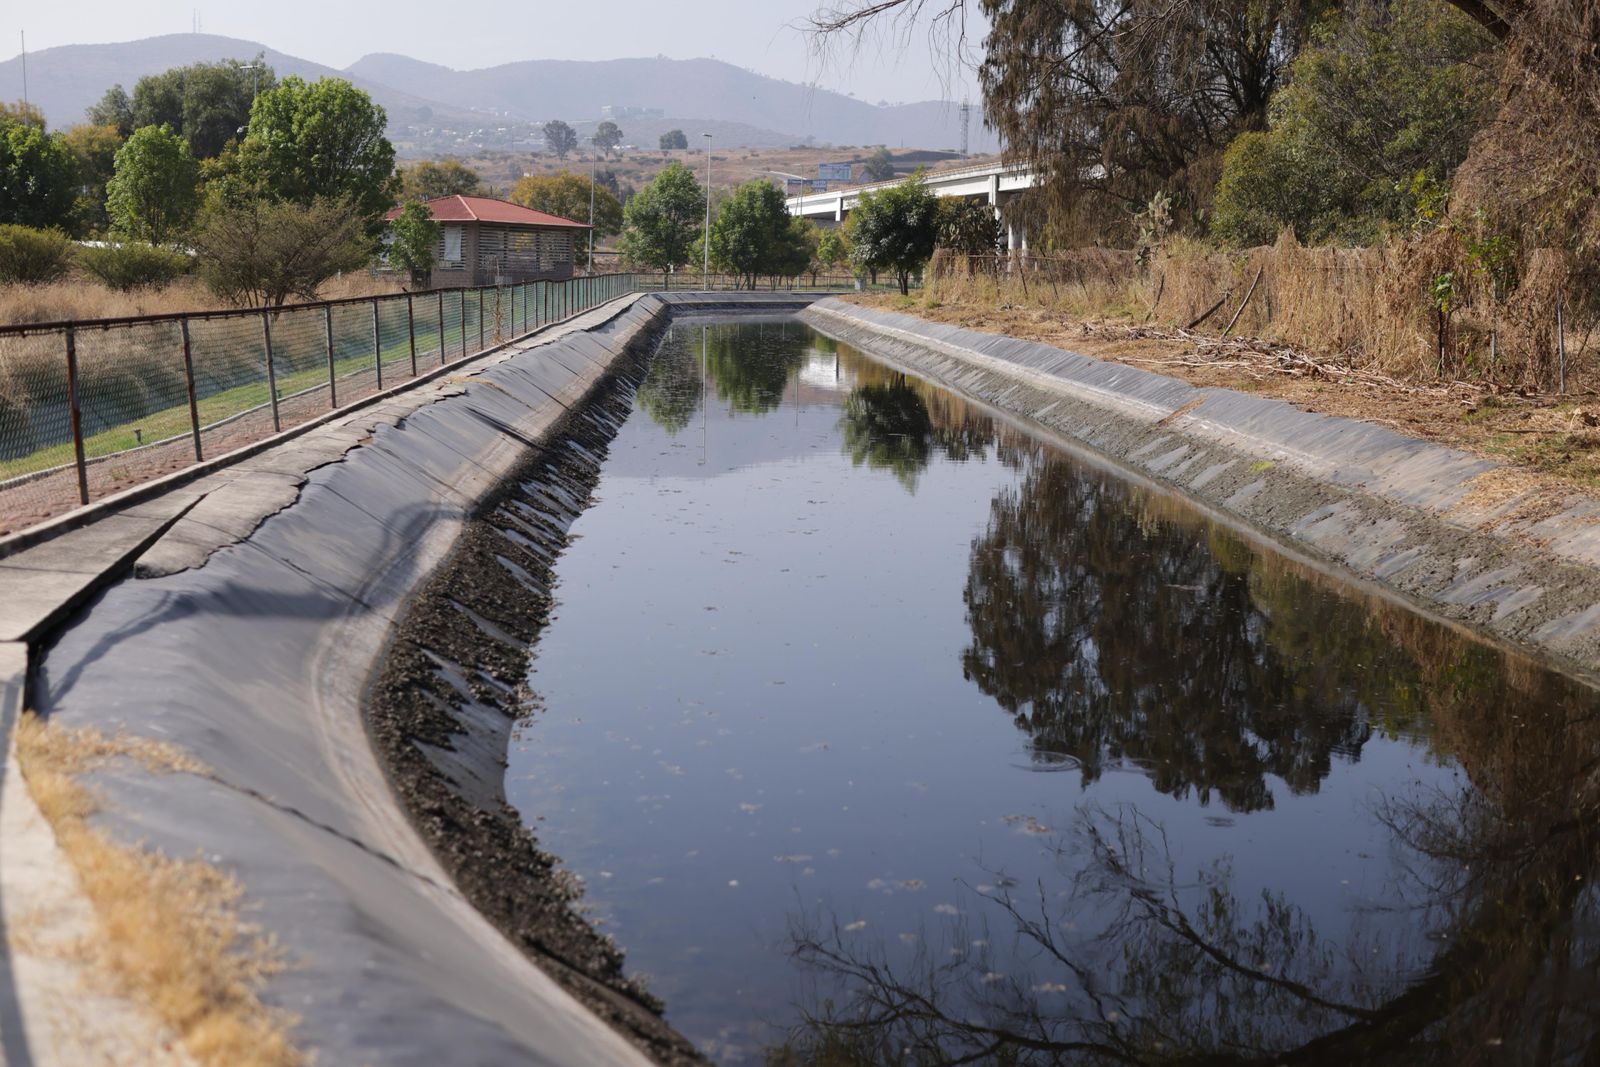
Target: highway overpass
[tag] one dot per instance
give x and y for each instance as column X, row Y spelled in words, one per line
column 993, row 183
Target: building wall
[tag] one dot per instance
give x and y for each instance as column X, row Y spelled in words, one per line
column 489, row 251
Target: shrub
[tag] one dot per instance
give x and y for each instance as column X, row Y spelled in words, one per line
column 33, row 257
column 133, row 265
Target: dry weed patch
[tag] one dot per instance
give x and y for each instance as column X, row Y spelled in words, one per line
column 171, row 930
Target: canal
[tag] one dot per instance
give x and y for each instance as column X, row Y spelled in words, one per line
column 880, row 731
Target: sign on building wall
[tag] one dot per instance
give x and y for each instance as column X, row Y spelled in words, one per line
column 819, row 186
column 833, row 172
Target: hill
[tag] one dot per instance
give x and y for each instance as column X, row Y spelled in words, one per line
column 441, row 110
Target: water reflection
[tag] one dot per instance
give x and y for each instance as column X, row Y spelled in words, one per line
column 1293, row 823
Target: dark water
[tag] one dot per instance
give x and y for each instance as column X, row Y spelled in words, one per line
column 883, row 733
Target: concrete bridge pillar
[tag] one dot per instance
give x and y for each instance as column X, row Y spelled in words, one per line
column 838, row 210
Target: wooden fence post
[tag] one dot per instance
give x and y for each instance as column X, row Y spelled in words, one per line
column 77, row 415
column 188, row 382
column 272, row 374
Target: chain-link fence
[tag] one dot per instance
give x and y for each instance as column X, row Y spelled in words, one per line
column 92, row 407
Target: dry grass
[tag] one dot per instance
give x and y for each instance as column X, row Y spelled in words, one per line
column 171, row 932
column 82, row 297
column 1370, row 308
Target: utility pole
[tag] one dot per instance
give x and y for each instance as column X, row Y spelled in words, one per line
column 593, row 157
column 966, row 120
column 24, row 65
column 705, row 245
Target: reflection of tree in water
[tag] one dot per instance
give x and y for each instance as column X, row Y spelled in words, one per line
column 1494, row 960
column 670, row 392
column 750, row 366
column 1112, row 635
column 894, row 424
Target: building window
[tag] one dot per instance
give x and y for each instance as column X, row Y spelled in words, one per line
column 452, row 246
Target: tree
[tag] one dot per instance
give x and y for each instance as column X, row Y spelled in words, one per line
column 37, row 176
column 415, row 235
column 20, row 111
column 879, row 167
column 661, row 222
column 94, row 150
column 1384, row 104
column 113, row 109
column 567, row 194
column 751, row 235
column 607, row 136
column 674, row 139
column 833, row 249
column 208, row 103
column 895, row 230
column 154, row 192
column 322, row 140
column 968, row 227
column 258, row 252
column 448, row 177
column 560, row 138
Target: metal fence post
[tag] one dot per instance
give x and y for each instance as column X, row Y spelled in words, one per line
column 411, row 332
column 443, row 359
column 327, row 329
column 480, row 320
column 497, row 324
column 463, row 294
column 188, row 382
column 272, row 374
column 377, row 344
column 77, row 417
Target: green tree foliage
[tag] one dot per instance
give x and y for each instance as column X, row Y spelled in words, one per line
column 1383, row 104
column 560, row 138
column 38, row 175
column 607, row 136
column 661, row 222
column 879, row 167
column 208, row 103
column 414, row 236
column 131, row 265
column 258, row 252
column 94, row 150
column 833, row 249
column 894, row 230
column 30, row 256
column 153, row 194
column 447, row 177
column 753, row 235
column 567, row 194
column 113, row 109
column 968, row 227
column 674, row 139
column 321, row 141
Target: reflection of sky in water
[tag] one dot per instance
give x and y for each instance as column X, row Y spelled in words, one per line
column 755, row 707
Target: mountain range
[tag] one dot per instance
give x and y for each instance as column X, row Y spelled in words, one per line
column 441, row 110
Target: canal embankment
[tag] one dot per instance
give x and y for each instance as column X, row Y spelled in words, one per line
column 1452, row 533
column 241, row 619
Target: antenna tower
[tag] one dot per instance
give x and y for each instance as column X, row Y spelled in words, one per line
column 966, row 120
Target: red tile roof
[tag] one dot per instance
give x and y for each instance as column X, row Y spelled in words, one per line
column 460, row 208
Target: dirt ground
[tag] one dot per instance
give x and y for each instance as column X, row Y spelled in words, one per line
column 1549, row 442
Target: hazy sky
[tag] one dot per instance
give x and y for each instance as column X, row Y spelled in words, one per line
column 761, row 35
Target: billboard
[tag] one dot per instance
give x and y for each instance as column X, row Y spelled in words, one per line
column 819, row 186
column 795, row 187
column 833, row 172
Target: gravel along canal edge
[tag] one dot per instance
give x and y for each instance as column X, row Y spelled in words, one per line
column 1452, row 534
column 442, row 707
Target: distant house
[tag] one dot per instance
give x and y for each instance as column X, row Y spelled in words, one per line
column 484, row 241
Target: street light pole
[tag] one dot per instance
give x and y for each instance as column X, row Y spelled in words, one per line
column 592, row 163
column 705, row 245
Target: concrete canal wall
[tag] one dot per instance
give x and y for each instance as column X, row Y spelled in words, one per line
column 1457, row 535
column 266, row 599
